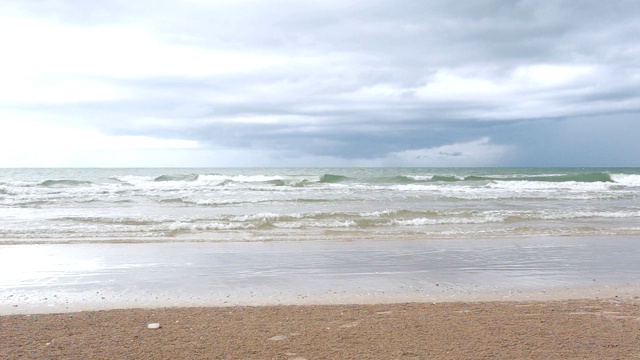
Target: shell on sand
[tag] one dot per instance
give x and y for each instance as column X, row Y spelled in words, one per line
column 278, row 338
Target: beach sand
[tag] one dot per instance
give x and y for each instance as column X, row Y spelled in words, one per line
column 560, row 298
column 563, row 329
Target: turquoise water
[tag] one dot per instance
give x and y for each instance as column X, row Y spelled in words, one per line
column 314, row 204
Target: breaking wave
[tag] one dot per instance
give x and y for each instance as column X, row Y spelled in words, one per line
column 294, row 204
column 190, row 177
column 626, row 179
column 331, row 178
column 587, row 178
column 64, row 183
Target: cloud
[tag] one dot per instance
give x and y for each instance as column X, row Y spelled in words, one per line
column 333, row 82
column 480, row 152
column 32, row 144
column 66, row 63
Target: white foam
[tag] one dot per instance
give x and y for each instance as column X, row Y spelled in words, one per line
column 417, row 187
column 134, row 179
column 179, row 225
column 626, row 179
column 489, row 218
column 562, row 215
column 540, row 185
column 267, row 216
column 333, row 224
column 254, row 178
column 377, row 213
column 419, row 177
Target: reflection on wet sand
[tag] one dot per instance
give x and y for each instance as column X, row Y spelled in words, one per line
column 95, row 276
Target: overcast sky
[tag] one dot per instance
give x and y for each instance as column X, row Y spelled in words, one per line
column 319, row 83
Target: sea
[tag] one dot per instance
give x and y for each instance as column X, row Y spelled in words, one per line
column 146, row 205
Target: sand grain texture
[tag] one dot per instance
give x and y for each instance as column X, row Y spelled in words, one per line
column 574, row 329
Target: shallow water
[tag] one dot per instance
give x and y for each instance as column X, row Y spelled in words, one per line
column 92, row 276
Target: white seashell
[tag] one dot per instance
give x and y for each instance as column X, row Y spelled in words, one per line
column 153, row 326
column 278, row 338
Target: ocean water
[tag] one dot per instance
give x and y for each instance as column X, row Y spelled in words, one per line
column 314, row 204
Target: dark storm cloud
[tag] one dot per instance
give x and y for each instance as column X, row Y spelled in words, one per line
column 362, row 80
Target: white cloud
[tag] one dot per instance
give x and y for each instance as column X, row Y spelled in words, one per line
column 60, row 91
column 279, row 79
column 45, row 62
column 527, row 91
column 119, row 51
column 26, row 143
column 548, row 76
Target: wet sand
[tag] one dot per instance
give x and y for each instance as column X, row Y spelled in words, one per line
column 73, row 277
column 570, row 329
column 555, row 298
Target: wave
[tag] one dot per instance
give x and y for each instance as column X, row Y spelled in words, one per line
column 110, row 221
column 189, row 177
column 331, row 178
column 64, row 183
column 132, row 179
column 252, row 178
column 403, row 179
column 176, row 201
column 586, row 178
column 432, row 178
column 221, row 180
column 373, row 223
column 582, row 178
column 626, row 179
column 301, row 181
column 295, row 181
column 290, row 182
column 211, row 202
column 181, row 227
column 312, row 201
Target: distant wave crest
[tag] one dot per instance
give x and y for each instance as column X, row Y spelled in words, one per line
column 583, row 178
column 588, row 178
column 331, row 178
column 188, row 177
column 303, row 181
column 64, row 183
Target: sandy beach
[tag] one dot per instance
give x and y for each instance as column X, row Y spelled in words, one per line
column 569, row 329
column 557, row 298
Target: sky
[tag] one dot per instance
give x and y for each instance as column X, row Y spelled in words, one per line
column 208, row 83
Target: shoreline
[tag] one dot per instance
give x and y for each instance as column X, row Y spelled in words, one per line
column 551, row 329
column 56, row 278
column 554, row 298
column 592, row 293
